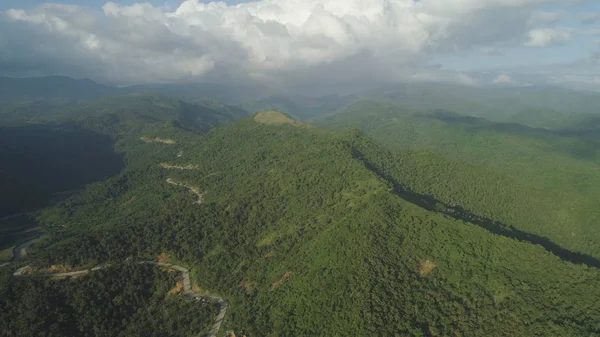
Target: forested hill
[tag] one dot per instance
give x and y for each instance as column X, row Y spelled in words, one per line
column 128, row 113
column 536, row 106
column 125, row 300
column 537, row 180
column 303, row 231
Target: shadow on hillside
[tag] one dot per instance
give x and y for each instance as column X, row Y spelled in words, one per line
column 37, row 162
column 429, row 203
column 586, row 148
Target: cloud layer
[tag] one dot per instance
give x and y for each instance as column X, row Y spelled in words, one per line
column 295, row 43
column 545, row 37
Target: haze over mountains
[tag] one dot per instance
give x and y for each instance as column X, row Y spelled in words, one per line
column 545, row 107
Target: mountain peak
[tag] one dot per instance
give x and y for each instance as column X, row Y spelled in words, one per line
column 272, row 117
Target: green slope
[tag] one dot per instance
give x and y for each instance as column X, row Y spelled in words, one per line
column 132, row 113
column 533, row 179
column 304, row 233
column 535, row 106
column 125, row 300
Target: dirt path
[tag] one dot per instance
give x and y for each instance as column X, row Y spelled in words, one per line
column 191, row 188
column 32, row 229
column 12, row 216
column 20, row 251
column 188, row 167
column 187, row 287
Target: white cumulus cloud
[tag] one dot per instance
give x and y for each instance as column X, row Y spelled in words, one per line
column 466, row 79
column 544, row 37
column 283, row 42
column 504, row 79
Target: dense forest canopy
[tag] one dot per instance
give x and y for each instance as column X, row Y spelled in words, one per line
column 125, row 300
column 302, row 237
column 538, row 180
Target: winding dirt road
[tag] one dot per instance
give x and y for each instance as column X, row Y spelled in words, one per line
column 12, row 216
column 187, row 287
column 20, row 251
column 191, row 188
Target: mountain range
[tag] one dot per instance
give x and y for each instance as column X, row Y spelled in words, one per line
column 370, row 215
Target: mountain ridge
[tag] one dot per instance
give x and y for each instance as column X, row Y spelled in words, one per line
column 510, row 173
column 303, row 238
column 310, row 231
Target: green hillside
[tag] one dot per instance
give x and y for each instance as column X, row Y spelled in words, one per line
column 126, row 300
column 305, row 233
column 129, row 113
column 536, row 106
column 536, row 180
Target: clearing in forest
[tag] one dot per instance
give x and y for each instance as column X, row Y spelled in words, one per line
column 163, row 258
column 426, row 267
column 58, row 268
column 277, row 118
column 248, row 286
column 282, row 280
column 177, row 289
column 158, row 140
column 179, row 167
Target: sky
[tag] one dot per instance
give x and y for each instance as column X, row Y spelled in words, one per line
column 306, row 44
column 8, row 4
